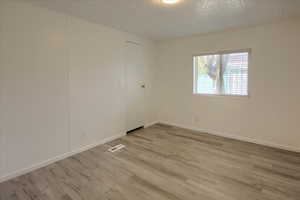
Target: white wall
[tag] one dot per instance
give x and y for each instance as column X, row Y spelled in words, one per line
column 61, row 85
column 269, row 116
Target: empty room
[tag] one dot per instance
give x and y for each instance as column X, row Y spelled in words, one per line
column 149, row 100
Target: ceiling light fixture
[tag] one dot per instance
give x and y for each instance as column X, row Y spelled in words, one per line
column 170, row 1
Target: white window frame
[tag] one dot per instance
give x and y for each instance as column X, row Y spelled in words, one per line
column 195, row 77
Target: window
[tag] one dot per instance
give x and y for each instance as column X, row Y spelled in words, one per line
column 221, row 74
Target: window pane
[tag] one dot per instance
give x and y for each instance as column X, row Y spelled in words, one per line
column 235, row 73
column 207, row 70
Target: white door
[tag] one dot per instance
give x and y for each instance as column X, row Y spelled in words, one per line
column 135, row 86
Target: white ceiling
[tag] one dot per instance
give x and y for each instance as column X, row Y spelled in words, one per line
column 152, row 19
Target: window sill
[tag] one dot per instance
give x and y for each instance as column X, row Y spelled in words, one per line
column 223, row 95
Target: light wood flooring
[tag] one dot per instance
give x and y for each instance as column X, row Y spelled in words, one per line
column 165, row 163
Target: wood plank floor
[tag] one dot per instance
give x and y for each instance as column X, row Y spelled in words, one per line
column 165, row 163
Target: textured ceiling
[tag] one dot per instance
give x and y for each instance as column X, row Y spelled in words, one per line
column 152, row 19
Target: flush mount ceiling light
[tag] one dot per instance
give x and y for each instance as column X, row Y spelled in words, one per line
column 169, row 1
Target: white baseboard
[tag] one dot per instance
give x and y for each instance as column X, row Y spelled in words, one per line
column 212, row 132
column 236, row 137
column 150, row 124
column 57, row 158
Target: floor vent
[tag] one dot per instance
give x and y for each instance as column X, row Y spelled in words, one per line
column 116, row 148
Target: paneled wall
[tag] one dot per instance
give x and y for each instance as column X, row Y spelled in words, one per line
column 62, row 86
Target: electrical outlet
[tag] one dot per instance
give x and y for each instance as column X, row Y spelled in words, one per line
column 83, row 136
column 196, row 119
